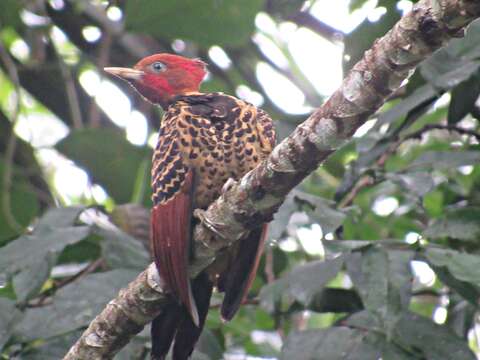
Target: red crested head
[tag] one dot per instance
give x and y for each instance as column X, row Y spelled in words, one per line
column 161, row 77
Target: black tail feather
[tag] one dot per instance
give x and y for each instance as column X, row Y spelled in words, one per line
column 175, row 324
column 164, row 328
column 188, row 334
column 242, row 272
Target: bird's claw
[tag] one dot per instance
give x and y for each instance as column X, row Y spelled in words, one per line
column 228, row 185
column 210, row 225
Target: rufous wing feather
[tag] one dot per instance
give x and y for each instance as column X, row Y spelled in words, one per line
column 242, row 272
column 171, row 236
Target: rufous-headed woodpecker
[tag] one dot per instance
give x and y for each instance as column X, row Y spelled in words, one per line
column 204, row 139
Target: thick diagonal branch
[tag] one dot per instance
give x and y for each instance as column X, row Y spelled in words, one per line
column 255, row 198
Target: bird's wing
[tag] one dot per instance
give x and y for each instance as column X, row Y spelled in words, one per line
column 173, row 187
column 237, row 281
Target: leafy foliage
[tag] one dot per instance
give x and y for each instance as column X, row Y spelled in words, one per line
column 375, row 255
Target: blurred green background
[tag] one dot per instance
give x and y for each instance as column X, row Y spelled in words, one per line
column 375, row 255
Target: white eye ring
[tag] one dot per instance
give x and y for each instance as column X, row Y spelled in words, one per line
column 158, row 66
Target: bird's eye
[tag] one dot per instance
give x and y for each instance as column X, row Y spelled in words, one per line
column 158, row 66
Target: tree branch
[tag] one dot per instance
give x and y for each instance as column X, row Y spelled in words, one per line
column 253, row 200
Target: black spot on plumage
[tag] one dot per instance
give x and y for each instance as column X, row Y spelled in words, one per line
column 194, row 121
column 208, row 163
column 247, row 116
column 252, row 138
column 193, row 155
column 229, row 136
column 204, row 141
column 182, row 125
column 239, row 133
column 214, row 154
column 219, row 125
column 236, row 112
column 212, row 172
column 211, row 147
column 249, row 151
column 239, row 156
column 193, row 132
column 202, row 169
column 195, row 143
column 184, row 142
column 228, row 154
column 255, row 158
column 169, row 159
column 248, row 130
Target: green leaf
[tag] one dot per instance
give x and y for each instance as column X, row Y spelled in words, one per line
column 54, row 348
column 369, row 273
column 10, row 14
column 284, row 8
column 24, row 205
column 281, row 218
column 463, row 99
column 462, row 224
column 120, row 250
column 110, row 159
column 28, row 282
column 9, row 316
column 301, row 284
column 40, row 244
column 435, row 341
column 323, row 212
column 421, row 95
column 31, row 257
column 442, row 160
column 419, row 335
column 468, row 47
column 74, row 306
column 340, row 246
column 417, row 183
column 60, row 217
column 464, row 267
column 383, row 280
column 209, row 345
column 444, row 70
column 207, row 22
column 465, row 289
column 339, row 343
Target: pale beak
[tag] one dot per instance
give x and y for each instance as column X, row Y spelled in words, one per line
column 125, row 73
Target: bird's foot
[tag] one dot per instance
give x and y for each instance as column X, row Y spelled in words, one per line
column 228, row 185
column 205, row 221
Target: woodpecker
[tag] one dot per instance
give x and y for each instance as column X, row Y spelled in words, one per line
column 204, row 139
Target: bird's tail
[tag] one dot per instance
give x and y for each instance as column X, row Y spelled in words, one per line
column 241, row 273
column 175, row 324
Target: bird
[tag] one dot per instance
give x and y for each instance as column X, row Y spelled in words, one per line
column 204, row 140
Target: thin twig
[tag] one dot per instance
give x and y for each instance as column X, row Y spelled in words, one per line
column 71, row 91
column 103, row 58
column 306, row 19
column 46, row 298
column 12, row 142
column 452, row 128
column 269, row 272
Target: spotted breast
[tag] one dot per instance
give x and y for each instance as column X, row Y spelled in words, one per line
column 215, row 135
